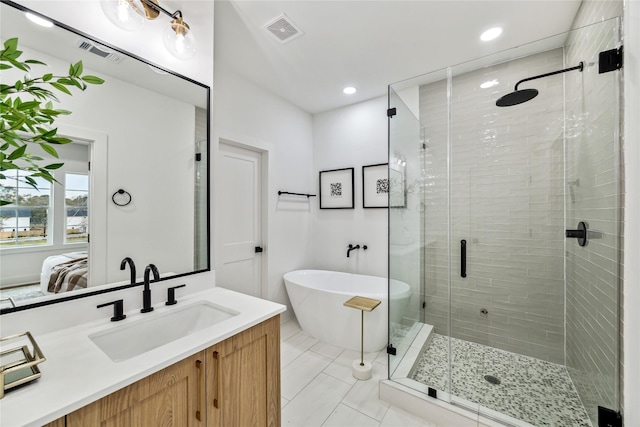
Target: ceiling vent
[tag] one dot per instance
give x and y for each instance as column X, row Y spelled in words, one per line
column 283, row 29
column 101, row 51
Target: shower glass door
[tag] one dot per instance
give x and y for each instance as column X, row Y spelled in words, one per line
column 522, row 323
column 534, row 315
column 507, row 238
column 405, row 246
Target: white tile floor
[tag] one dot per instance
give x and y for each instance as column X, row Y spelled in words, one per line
column 319, row 390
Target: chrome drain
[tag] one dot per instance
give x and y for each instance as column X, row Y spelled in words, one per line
column 492, row 379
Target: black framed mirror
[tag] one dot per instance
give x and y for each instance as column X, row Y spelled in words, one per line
column 144, row 131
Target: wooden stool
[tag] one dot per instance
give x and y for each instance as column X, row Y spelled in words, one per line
column 359, row 368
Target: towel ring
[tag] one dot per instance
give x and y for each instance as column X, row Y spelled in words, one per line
column 121, row 191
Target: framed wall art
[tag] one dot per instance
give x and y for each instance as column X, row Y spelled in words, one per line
column 336, row 189
column 375, row 186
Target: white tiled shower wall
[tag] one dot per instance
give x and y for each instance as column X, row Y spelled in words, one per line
column 506, row 202
column 593, row 166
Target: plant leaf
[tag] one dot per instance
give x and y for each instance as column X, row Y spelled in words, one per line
column 8, row 165
column 93, row 80
column 54, row 166
column 60, row 87
column 49, row 149
column 77, row 68
column 34, row 61
column 11, row 45
column 17, row 153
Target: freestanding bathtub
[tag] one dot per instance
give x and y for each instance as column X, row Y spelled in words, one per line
column 317, row 297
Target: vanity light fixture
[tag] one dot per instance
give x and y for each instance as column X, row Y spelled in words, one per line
column 130, row 15
column 38, row 20
column 491, row 34
column 349, row 90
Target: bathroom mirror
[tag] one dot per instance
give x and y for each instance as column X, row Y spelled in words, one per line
column 134, row 181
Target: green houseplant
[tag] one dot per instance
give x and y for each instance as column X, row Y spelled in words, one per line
column 27, row 115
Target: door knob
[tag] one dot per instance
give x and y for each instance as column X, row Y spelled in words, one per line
column 258, row 249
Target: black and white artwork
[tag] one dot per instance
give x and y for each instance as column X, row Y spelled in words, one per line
column 382, row 186
column 336, row 189
column 375, row 186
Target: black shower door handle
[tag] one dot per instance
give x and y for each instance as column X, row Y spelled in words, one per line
column 463, row 258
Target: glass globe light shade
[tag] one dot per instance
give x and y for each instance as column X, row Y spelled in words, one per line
column 179, row 40
column 126, row 14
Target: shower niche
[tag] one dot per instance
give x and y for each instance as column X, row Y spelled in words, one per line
column 520, row 323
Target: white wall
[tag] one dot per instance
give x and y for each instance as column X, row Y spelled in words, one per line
column 248, row 115
column 352, row 136
column 632, row 212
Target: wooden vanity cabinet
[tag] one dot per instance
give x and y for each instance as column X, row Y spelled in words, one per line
column 243, row 378
column 233, row 383
column 60, row 422
column 172, row 397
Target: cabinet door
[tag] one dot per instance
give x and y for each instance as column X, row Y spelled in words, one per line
column 173, row 396
column 243, row 378
column 60, row 422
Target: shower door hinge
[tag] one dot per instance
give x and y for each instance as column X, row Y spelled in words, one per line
column 391, row 350
column 608, row 417
column 610, row 60
column 391, row 112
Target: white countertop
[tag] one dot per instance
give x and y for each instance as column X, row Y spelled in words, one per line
column 77, row 372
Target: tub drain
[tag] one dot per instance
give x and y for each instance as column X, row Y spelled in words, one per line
column 492, row 379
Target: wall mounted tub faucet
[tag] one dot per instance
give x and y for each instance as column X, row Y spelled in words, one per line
column 132, row 267
column 353, row 248
column 146, row 293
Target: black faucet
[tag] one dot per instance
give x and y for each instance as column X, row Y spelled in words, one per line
column 146, row 293
column 352, row 248
column 132, row 266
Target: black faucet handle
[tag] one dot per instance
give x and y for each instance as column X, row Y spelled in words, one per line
column 171, row 294
column 118, row 309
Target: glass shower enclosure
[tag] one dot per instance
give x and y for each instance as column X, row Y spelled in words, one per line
column 506, row 223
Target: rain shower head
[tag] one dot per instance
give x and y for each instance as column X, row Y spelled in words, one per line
column 519, row 96
column 516, row 97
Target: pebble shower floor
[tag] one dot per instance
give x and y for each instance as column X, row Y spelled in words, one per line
column 532, row 390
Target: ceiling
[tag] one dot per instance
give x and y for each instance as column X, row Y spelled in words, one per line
column 369, row 44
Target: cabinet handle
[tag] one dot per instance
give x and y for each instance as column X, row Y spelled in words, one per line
column 200, row 394
column 217, row 368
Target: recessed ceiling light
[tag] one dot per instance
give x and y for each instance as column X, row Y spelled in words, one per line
column 489, row 83
column 349, row 90
column 38, row 20
column 491, row 34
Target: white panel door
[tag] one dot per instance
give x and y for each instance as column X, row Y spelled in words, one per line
column 241, row 204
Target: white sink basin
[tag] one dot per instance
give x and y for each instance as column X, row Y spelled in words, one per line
column 132, row 339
